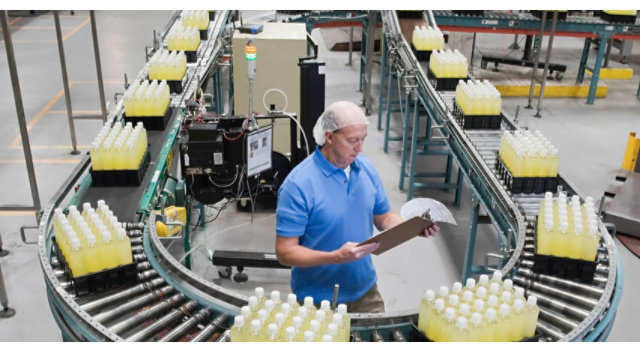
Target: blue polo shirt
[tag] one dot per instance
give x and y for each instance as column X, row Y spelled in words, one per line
column 323, row 208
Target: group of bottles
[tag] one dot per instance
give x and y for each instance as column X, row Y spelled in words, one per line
column 489, row 311
column 478, row 98
column 271, row 320
column 528, row 154
column 196, row 18
column 146, row 99
column 567, row 230
column 117, row 148
column 183, row 38
column 427, row 38
column 92, row 241
column 167, row 65
column 448, row 64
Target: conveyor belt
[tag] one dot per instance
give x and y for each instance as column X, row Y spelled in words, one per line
column 169, row 302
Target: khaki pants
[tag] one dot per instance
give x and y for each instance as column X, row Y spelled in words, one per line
column 371, row 302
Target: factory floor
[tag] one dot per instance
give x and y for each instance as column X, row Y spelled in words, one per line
column 591, row 140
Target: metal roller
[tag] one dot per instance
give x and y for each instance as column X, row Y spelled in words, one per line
column 120, row 295
column 224, row 337
column 561, row 307
column 148, row 313
column 142, row 266
column 186, row 325
column 137, row 249
column 163, row 322
column 558, row 320
column 397, row 336
column 217, row 325
column 376, row 336
column 140, row 257
column 136, row 241
column 562, row 294
column 355, row 336
column 552, row 280
column 133, row 304
column 549, row 331
column 145, row 275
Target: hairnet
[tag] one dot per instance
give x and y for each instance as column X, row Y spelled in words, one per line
column 338, row 115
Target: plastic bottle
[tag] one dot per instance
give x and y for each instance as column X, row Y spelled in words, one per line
column 467, row 297
column 475, row 328
column 269, row 307
column 478, row 306
column 443, row 292
column 327, row 338
column 517, row 320
column 325, row 306
column 91, row 255
column 481, row 293
column 464, row 310
column 490, row 326
column 332, row 330
column 279, row 319
column 308, row 336
column 460, row 332
column 453, row 301
column 237, row 330
column 289, row 334
column 531, row 312
column 448, row 323
column 483, row 281
column 272, row 333
column 76, row 259
column 494, row 288
column 314, row 327
column 338, row 322
column 123, row 246
column 308, row 303
column 432, row 330
column 426, row 308
column 321, row 318
column 504, row 323
column 492, row 302
column 505, row 298
column 255, row 333
column 296, row 323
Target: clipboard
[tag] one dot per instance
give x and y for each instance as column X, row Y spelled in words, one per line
column 400, row 233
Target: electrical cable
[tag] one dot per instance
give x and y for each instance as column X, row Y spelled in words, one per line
column 286, row 100
column 304, row 135
column 227, row 185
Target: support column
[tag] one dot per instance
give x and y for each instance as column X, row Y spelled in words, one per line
column 583, row 60
column 467, row 268
column 604, row 37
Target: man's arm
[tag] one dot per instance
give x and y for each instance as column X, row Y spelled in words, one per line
column 290, row 253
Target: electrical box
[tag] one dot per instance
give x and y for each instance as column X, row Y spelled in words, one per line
column 278, row 48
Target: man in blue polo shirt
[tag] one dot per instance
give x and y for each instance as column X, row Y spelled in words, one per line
column 326, row 206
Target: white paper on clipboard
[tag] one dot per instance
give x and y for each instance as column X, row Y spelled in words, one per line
column 438, row 212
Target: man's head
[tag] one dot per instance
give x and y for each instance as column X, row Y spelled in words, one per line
column 341, row 131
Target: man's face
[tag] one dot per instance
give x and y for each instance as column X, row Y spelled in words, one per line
column 346, row 143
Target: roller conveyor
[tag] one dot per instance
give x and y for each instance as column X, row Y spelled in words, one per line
column 175, row 304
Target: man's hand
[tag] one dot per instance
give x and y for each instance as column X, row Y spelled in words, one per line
column 430, row 231
column 350, row 251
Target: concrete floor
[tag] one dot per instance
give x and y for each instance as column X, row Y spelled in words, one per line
column 591, row 140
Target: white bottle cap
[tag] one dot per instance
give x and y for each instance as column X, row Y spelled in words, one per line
column 314, row 325
column 75, row 243
column 308, row 336
column 497, row 276
column 476, row 318
column 269, row 305
column 302, row 312
column 518, row 304
column 272, row 329
column 275, row 296
column 506, row 297
column 461, row 323
column 508, row 283
column 262, row 315
column 290, row 333
column 91, row 239
column 471, row 283
column 342, row 309
column 296, row 322
column 292, row 299
column 443, row 291
column 332, row 329
column 457, row 287
column 256, row 325
column 308, row 302
column 320, row 315
column 478, row 305
column 72, row 209
column 467, row 296
column 253, row 302
column 504, row 310
column 86, row 206
column 532, row 300
column 439, row 304
column 453, row 300
column 238, row 321
column 325, row 305
column 429, row 295
column 285, row 308
column 481, row 292
column 449, row 313
column 337, row 319
column 279, row 318
column 327, row 338
column 259, row 292
column 491, row 314
column 464, row 309
column 245, row 311
column 492, row 301
column 494, row 287
column 519, row 292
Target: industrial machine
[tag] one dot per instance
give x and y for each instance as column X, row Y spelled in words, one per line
column 169, row 302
